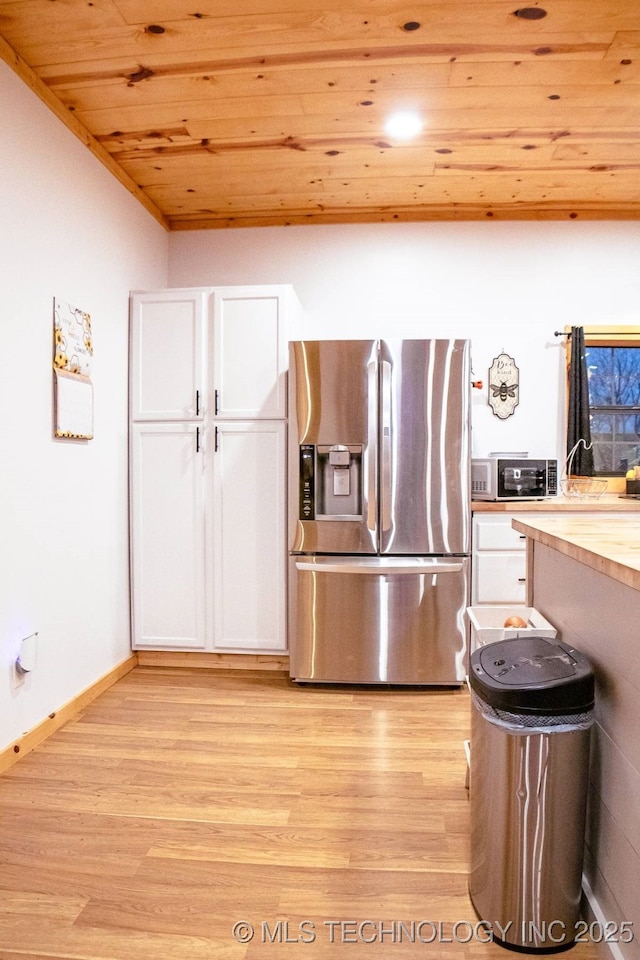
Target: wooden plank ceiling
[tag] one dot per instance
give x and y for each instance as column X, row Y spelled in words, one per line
column 221, row 113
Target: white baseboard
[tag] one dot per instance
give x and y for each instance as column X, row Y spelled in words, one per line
column 607, row 949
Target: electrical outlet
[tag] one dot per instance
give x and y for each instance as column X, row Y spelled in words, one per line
column 25, row 659
column 28, row 655
column 17, row 679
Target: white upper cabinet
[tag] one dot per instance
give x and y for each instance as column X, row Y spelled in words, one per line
column 168, row 354
column 251, row 326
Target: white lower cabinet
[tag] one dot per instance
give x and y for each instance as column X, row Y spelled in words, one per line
column 249, row 550
column 208, row 552
column 498, row 569
column 168, row 570
column 499, row 562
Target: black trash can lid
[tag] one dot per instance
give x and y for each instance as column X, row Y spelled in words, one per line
column 532, row 675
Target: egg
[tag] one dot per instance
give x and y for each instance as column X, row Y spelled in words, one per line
column 515, row 622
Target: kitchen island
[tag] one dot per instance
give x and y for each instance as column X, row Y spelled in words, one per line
column 583, row 575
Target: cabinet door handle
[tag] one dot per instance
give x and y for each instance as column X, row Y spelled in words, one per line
column 215, row 395
column 522, row 579
column 197, row 439
column 215, row 445
column 197, row 403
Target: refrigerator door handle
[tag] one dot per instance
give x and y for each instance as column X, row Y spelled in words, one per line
column 385, row 444
column 381, row 566
column 372, row 444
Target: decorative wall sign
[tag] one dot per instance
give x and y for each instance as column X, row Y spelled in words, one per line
column 72, row 358
column 504, row 386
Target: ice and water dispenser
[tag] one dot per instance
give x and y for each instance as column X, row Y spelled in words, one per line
column 331, row 481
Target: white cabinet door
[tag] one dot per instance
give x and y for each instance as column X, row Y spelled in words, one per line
column 168, row 354
column 168, row 536
column 249, row 537
column 249, row 356
column 499, row 577
column 497, row 533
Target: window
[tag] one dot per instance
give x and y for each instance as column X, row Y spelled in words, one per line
column 614, row 400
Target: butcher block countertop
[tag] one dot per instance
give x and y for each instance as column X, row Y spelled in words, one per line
column 607, row 503
column 611, row 545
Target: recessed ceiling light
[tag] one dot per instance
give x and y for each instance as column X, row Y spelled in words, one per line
column 403, row 126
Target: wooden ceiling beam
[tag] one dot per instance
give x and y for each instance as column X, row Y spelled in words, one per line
column 445, row 212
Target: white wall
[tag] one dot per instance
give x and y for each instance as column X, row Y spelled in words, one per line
column 68, row 229
column 503, row 285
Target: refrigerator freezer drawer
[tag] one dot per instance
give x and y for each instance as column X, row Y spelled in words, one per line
column 398, row 620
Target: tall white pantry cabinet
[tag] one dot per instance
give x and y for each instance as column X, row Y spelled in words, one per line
column 208, row 467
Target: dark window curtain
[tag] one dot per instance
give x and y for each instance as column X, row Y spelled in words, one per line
column 579, row 426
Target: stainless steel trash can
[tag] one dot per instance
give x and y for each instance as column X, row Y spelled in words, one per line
column 531, row 721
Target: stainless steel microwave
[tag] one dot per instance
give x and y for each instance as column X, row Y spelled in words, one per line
column 507, row 478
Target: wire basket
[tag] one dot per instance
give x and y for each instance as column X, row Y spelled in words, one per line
column 583, row 487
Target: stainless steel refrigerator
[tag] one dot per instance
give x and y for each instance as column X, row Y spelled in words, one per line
column 379, row 510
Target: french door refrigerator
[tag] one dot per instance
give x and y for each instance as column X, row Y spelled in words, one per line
column 379, row 510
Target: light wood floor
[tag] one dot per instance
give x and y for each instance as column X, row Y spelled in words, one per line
column 180, row 803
